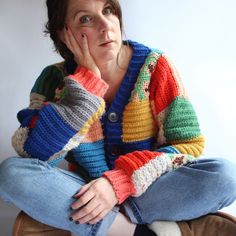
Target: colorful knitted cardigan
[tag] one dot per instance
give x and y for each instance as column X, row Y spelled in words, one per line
column 149, row 129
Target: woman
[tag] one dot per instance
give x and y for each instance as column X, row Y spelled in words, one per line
column 118, row 112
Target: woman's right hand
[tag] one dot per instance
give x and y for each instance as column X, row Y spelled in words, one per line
column 81, row 52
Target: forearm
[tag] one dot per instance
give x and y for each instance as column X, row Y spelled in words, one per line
column 60, row 127
column 135, row 172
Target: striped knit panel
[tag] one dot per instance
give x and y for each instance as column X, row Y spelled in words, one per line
column 175, row 116
column 91, row 152
column 138, row 125
column 43, row 90
column 62, row 126
column 58, row 127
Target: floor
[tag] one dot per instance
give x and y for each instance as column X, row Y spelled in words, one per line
column 8, row 213
column 7, row 216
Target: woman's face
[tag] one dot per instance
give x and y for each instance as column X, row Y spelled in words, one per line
column 95, row 19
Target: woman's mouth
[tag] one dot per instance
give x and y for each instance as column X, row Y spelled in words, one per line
column 106, row 44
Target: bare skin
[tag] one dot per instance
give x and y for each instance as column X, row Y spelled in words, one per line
column 93, row 35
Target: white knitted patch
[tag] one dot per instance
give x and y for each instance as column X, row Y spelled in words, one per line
column 72, row 143
column 147, row 174
column 18, row 140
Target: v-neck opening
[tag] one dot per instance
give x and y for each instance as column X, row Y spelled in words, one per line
column 124, row 91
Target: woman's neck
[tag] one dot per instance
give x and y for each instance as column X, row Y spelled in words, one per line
column 114, row 73
column 118, row 66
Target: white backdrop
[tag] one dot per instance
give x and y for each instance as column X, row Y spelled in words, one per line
column 198, row 36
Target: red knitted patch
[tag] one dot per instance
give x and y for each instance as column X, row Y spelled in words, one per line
column 135, row 160
column 33, row 122
column 164, row 87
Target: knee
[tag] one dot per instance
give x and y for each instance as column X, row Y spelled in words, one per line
column 8, row 171
column 226, row 173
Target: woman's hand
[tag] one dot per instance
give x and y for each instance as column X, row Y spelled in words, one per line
column 95, row 200
column 81, row 52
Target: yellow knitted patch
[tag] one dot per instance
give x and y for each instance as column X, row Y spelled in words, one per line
column 95, row 116
column 193, row 146
column 138, row 123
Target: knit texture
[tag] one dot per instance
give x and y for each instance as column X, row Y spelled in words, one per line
column 142, row 168
column 150, row 127
column 60, row 127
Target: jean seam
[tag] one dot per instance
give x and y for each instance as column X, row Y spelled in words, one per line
column 135, row 210
column 94, row 228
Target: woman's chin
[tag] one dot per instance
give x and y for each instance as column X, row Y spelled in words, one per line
column 107, row 57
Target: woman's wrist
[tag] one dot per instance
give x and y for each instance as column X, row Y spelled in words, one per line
column 121, row 183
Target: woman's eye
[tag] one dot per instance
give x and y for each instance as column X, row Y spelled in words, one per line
column 85, row 19
column 107, row 11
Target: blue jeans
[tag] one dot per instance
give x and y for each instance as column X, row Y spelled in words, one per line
column 45, row 193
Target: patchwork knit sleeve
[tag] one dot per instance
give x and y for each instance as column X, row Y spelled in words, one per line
column 136, row 171
column 177, row 123
column 50, row 129
column 179, row 139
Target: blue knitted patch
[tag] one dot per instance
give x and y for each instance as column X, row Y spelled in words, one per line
column 49, row 135
column 168, row 149
column 92, row 157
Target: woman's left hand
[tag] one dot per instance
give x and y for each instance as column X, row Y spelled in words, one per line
column 95, row 200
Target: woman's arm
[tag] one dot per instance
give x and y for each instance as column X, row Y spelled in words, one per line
column 178, row 127
column 178, row 136
column 49, row 130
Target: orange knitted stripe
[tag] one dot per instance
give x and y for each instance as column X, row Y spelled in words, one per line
column 135, row 160
column 164, row 87
column 90, row 81
column 95, row 133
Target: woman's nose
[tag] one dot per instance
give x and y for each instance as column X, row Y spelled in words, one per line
column 104, row 24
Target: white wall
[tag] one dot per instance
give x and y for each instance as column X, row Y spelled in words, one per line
column 199, row 37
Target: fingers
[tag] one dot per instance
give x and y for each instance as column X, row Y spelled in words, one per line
column 88, row 212
column 98, row 217
column 72, row 44
column 84, row 195
column 84, row 45
column 95, row 200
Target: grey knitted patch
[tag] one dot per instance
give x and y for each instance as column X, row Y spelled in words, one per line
column 78, row 106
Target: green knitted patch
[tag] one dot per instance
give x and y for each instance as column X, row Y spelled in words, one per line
column 48, row 81
column 181, row 122
column 141, row 88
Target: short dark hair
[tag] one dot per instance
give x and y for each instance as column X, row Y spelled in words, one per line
column 56, row 22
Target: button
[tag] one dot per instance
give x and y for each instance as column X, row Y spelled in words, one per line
column 116, row 150
column 113, row 117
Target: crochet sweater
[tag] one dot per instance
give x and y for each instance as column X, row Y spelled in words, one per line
column 149, row 129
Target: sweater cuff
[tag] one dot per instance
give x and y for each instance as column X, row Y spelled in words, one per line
column 90, row 81
column 121, row 184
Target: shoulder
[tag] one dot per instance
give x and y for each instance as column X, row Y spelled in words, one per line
column 49, row 79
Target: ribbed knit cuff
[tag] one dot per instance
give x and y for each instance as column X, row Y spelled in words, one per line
column 90, row 81
column 121, row 183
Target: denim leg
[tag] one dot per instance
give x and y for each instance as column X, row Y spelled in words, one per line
column 45, row 193
column 201, row 187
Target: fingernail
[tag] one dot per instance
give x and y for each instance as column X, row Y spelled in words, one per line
column 71, row 219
